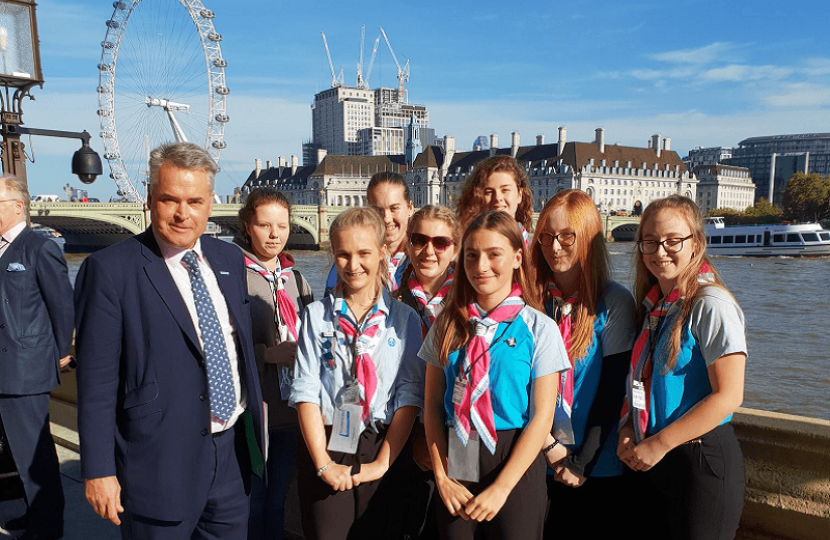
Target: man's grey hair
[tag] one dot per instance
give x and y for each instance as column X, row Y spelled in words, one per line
column 17, row 189
column 183, row 155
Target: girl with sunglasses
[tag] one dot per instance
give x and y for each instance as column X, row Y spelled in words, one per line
column 498, row 183
column 596, row 317
column 686, row 380
column 357, row 387
column 492, row 373
column 432, row 245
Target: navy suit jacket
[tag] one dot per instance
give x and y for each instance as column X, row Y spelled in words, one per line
column 143, row 407
column 36, row 315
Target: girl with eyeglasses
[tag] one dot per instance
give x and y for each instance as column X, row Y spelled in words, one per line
column 498, row 183
column 358, row 385
column 492, row 371
column 596, row 317
column 686, row 380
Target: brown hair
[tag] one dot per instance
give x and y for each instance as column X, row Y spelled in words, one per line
column 363, row 217
column 687, row 283
column 591, row 256
column 260, row 197
column 387, row 177
column 472, row 203
column 453, row 324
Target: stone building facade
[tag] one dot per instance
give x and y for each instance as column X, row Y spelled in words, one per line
column 724, row 186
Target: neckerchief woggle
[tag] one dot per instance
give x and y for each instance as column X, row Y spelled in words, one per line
column 642, row 363
column 364, row 338
column 476, row 408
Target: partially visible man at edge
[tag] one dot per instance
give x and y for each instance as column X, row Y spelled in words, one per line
column 166, row 367
column 36, row 321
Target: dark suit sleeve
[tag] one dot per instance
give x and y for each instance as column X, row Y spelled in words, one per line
column 98, row 347
column 53, row 282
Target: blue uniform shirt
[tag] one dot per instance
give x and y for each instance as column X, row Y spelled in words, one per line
column 614, row 332
column 716, row 328
column 400, row 372
column 524, row 349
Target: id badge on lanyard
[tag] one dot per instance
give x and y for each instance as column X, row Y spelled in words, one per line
column 462, row 461
column 638, row 393
column 346, row 428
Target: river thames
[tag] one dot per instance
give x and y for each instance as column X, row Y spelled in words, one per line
column 787, row 306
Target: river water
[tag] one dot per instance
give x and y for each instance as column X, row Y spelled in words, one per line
column 787, row 306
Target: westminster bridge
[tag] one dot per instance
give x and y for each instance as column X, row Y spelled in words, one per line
column 90, row 226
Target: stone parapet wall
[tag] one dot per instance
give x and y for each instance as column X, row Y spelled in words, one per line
column 788, row 475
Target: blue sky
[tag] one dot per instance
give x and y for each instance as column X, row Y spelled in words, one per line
column 703, row 73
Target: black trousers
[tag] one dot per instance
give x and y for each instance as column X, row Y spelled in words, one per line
column 587, row 511
column 523, row 515
column 371, row 510
column 697, row 491
column 26, row 419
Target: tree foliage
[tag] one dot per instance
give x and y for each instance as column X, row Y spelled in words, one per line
column 762, row 212
column 807, row 197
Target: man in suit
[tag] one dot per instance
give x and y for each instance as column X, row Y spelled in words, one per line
column 166, row 367
column 36, row 321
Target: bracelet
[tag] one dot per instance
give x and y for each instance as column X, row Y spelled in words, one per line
column 547, row 449
column 322, row 469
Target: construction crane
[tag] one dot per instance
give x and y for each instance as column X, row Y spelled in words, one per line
column 360, row 82
column 372, row 61
column 403, row 73
column 335, row 80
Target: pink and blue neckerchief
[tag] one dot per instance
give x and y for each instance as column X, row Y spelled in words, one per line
column 476, row 409
column 364, row 342
column 561, row 309
column 642, row 362
column 429, row 308
column 286, row 309
column 525, row 235
column 393, row 263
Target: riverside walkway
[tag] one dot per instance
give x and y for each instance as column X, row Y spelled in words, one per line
column 787, row 460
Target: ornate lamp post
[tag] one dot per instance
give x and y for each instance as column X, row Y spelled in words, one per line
column 19, row 73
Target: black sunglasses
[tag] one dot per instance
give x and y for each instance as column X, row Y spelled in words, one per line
column 440, row 243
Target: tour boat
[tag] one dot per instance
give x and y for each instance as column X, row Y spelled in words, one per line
column 776, row 239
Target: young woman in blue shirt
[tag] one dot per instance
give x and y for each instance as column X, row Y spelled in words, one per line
column 596, row 317
column 492, row 373
column 686, row 380
column 357, row 380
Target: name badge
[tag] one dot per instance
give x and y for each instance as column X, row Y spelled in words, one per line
column 345, row 429
column 462, row 461
column 458, row 390
column 638, row 392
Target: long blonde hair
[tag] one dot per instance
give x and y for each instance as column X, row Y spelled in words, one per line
column 453, row 324
column 687, row 282
column 591, row 256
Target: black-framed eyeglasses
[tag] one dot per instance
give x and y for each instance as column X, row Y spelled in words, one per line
column 565, row 239
column 671, row 245
column 439, row 243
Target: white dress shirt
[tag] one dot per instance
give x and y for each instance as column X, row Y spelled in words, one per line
column 10, row 236
column 181, row 277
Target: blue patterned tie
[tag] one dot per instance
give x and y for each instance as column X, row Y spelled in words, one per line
column 220, row 380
